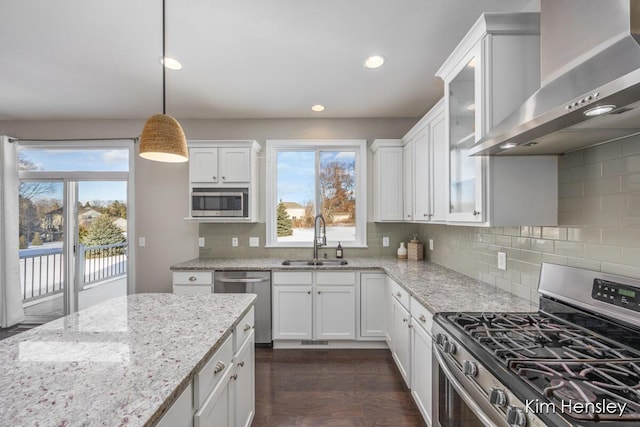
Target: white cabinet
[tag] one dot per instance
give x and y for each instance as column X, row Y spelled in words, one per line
column 399, row 328
column 388, row 311
column 314, row 305
column 421, row 359
column 180, row 414
column 217, row 410
column 223, row 165
column 372, row 305
column 231, row 165
column 426, row 154
column 407, row 179
column 192, row 282
column 489, row 74
column 244, row 383
column 388, row 178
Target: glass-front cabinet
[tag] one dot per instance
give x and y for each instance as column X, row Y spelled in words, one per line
column 488, row 75
column 465, row 172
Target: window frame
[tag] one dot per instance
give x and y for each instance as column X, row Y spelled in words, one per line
column 359, row 146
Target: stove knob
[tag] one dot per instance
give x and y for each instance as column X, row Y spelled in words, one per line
column 449, row 347
column 516, row 417
column 497, row 397
column 470, row 368
column 440, row 339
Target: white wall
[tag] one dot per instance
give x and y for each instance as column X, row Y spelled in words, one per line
column 161, row 189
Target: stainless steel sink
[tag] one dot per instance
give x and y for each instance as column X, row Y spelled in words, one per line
column 302, row 262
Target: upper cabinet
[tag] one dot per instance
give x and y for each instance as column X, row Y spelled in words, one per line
column 490, row 73
column 225, row 165
column 388, row 179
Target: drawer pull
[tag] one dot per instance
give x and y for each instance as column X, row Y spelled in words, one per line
column 247, row 327
column 214, row 178
column 404, row 320
column 234, row 377
column 192, row 278
column 398, row 294
column 241, row 364
column 422, row 318
column 219, row 367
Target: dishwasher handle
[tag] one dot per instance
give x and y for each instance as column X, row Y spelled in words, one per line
column 246, row 280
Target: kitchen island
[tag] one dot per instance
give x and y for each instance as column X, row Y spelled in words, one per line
column 121, row 362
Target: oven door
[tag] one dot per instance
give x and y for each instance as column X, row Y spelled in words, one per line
column 457, row 401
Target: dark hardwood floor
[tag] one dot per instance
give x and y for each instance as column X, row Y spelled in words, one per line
column 331, row 388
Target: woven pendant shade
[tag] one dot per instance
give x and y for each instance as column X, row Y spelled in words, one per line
column 163, row 140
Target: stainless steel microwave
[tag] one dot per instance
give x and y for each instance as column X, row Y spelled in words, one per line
column 218, row 202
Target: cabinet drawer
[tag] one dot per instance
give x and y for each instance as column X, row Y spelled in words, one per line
column 192, row 278
column 215, row 369
column 297, row 278
column 400, row 294
column 243, row 330
column 336, row 278
column 421, row 315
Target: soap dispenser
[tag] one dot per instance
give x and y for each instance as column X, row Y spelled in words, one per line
column 339, row 251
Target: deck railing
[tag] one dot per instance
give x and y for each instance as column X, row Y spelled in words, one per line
column 42, row 269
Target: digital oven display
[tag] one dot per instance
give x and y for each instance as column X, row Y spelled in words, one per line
column 616, row 294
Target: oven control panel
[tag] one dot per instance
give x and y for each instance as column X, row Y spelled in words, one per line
column 616, row 294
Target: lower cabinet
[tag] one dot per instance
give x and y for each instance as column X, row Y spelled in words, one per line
column 421, row 359
column 244, row 383
column 314, row 305
column 372, row 305
column 401, row 340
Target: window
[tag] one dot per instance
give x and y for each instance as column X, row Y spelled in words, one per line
column 307, row 178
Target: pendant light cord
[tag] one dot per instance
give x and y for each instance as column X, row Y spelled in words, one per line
column 164, row 68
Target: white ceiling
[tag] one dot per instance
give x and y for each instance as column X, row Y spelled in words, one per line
column 97, row 59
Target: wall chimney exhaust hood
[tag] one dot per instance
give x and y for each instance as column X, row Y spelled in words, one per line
column 590, row 59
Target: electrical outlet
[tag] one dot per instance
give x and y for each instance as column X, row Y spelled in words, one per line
column 502, row 261
column 234, row 241
column 385, row 242
column 141, row 242
column 430, row 244
column 254, row 242
column 201, row 242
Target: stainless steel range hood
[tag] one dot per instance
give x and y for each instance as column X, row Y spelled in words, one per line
column 590, row 57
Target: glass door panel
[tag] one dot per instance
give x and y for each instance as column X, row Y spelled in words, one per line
column 101, row 257
column 42, row 256
column 462, row 115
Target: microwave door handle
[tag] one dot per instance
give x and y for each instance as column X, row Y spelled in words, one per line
column 486, row 420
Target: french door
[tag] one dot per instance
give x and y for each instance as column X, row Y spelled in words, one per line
column 74, row 233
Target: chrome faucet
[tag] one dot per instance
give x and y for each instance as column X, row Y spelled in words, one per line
column 319, row 241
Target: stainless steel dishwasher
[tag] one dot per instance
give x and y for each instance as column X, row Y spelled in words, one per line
column 250, row 282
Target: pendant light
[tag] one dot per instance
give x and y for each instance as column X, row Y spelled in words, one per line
column 162, row 137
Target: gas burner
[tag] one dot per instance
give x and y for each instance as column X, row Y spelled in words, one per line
column 569, row 390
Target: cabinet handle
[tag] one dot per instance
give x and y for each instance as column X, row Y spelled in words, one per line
column 410, row 326
column 309, row 292
column 408, row 216
column 404, row 320
column 234, row 377
column 422, row 318
column 224, row 177
column 241, row 364
column 214, row 178
column 219, row 367
column 476, row 213
column 318, row 292
column 193, row 278
column 425, row 214
column 399, row 295
column 247, row 327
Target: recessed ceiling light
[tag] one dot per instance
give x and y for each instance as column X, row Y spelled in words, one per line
column 600, row 109
column 508, row 145
column 374, row 61
column 171, row 63
column 317, row 108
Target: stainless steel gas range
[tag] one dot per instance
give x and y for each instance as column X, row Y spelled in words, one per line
column 576, row 362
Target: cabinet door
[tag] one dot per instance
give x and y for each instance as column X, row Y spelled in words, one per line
column 372, row 305
column 421, row 371
column 217, row 410
column 245, row 402
column 292, row 312
column 439, row 161
column 335, row 312
column 463, row 95
column 388, row 184
column 407, row 164
column 401, row 349
column 235, row 165
column 388, row 312
column 180, row 414
column 422, row 177
column 203, row 165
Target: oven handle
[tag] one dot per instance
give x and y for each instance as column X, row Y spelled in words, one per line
column 250, row 280
column 486, row 420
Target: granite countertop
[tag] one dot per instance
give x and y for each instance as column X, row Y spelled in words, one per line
column 121, row 362
column 438, row 288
